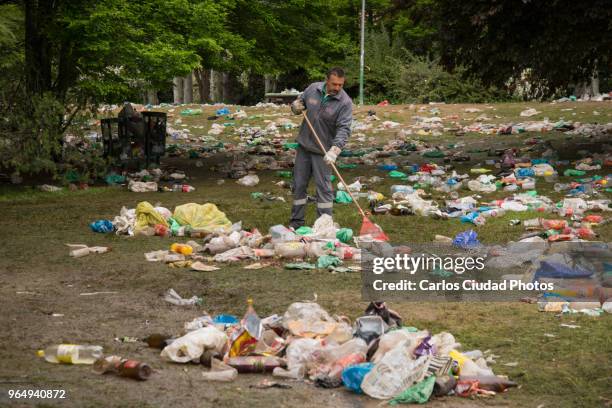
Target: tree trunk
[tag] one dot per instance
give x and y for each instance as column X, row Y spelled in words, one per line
column 267, row 83
column 177, row 89
column 595, row 85
column 226, row 88
column 37, row 46
column 152, row 97
column 188, row 88
column 66, row 74
column 215, row 86
column 203, row 80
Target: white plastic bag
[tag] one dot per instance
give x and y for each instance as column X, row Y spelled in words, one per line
column 250, row 180
column 392, row 339
column 324, row 227
column 191, row 346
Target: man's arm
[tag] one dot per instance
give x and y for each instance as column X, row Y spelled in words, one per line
column 343, row 126
column 299, row 105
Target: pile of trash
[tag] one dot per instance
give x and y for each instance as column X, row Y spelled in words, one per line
column 152, row 180
column 325, row 245
column 375, row 355
column 187, row 219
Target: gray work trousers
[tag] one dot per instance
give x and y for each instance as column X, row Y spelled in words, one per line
column 307, row 164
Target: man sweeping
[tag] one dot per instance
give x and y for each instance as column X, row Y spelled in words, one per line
column 330, row 111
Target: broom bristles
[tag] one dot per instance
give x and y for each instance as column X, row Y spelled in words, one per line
column 369, row 228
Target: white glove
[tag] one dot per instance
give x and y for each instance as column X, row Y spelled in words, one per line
column 331, row 155
column 297, row 106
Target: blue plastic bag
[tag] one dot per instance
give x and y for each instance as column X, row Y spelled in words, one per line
column 225, row 319
column 352, row 376
column 223, row 111
column 522, row 173
column 103, row 226
column 466, row 239
column 387, row 167
column 469, row 217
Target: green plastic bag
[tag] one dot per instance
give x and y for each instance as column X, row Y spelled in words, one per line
column 300, row 266
column 174, row 226
column 257, row 195
column 290, row 146
column 572, row 173
column 434, row 154
column 191, row 112
column 284, row 174
column 343, row 197
column 397, row 174
column 325, row 261
column 72, row 176
column 114, row 178
column 419, row 393
column 303, row 230
column 346, row 166
column 344, row 235
column 332, row 178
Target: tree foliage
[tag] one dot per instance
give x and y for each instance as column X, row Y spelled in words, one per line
column 60, row 57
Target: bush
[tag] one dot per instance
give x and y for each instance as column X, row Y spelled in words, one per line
column 420, row 80
column 30, row 135
column 395, row 74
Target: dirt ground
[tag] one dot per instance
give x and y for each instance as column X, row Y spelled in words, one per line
column 41, row 292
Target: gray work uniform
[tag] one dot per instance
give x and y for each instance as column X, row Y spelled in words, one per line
column 331, row 118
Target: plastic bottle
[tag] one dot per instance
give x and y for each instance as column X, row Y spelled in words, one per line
column 496, row 212
column 296, row 373
column 533, row 223
column 181, row 249
column 71, row 354
column 219, row 371
column 158, row 340
column 123, row 367
column 489, row 382
column 290, row 249
column 254, row 364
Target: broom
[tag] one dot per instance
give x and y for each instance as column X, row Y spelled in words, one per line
column 367, row 226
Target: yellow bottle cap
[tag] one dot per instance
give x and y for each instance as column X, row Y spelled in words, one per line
column 40, row 353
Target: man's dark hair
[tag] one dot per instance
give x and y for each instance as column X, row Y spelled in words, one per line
column 337, row 71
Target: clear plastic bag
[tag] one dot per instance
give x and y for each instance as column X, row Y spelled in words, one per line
column 395, row 372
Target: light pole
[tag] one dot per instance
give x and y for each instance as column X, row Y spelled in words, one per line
column 362, row 53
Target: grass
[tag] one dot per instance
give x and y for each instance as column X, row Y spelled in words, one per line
column 568, row 370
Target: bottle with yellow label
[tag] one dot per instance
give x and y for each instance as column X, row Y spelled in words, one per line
column 71, row 354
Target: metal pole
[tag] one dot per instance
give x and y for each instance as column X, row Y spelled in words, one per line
column 362, row 53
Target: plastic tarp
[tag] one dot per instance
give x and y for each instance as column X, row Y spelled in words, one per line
column 550, row 269
column 206, row 217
